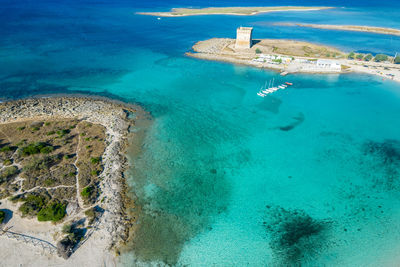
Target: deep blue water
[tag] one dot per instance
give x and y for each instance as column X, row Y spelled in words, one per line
column 226, row 178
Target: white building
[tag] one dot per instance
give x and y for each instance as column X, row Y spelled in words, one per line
column 328, row 64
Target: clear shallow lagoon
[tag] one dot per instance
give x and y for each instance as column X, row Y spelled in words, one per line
column 225, row 177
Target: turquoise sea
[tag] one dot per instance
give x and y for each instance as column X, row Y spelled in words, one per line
column 309, row 176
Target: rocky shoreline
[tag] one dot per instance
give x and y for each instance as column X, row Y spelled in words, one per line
column 112, row 230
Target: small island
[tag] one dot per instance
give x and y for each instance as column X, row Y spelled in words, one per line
column 241, row 11
column 355, row 28
column 290, row 56
column 62, row 188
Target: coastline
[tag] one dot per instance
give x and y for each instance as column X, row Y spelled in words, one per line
column 236, row 11
column 112, row 230
column 223, row 49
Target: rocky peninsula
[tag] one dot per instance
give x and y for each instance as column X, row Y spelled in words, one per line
column 240, row 11
column 291, row 56
column 62, row 163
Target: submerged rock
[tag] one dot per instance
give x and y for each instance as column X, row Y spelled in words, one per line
column 294, row 236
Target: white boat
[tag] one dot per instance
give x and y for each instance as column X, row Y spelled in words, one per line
column 261, row 94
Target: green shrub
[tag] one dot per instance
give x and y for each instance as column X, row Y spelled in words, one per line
column 47, row 123
column 62, row 133
column 66, row 156
column 46, row 150
column 32, row 205
column 397, row 60
column 21, row 128
column 67, row 228
column 32, row 149
column 87, row 192
column 359, row 56
column 51, row 133
column 368, row 57
column 83, row 134
column 34, row 129
column 351, row 55
column 52, row 212
column 258, row 51
column 5, row 149
column 380, row 57
column 36, row 148
column 95, row 160
column 7, row 162
column 2, row 216
column 94, row 172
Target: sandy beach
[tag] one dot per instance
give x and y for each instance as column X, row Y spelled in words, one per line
column 112, row 230
column 238, row 11
column 355, row 28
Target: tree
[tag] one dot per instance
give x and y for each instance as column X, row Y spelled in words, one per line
column 368, row 57
column 359, row 56
column 380, row 57
column 351, row 55
column 397, row 60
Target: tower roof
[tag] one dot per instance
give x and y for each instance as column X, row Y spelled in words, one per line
column 245, row 28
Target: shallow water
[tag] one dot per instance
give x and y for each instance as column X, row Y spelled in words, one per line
column 308, row 175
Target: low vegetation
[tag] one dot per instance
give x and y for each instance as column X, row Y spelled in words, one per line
column 397, row 60
column 43, row 161
column 8, row 173
column 380, row 58
column 296, row 48
column 369, row 57
column 33, row 203
column 37, row 148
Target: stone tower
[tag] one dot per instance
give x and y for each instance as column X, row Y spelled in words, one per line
column 243, row 37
